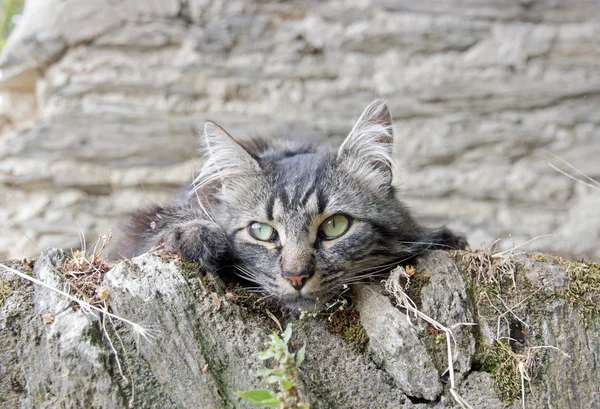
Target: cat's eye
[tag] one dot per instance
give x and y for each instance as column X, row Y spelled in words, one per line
column 334, row 226
column 262, row 231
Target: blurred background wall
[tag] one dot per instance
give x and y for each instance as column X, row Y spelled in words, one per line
column 99, row 100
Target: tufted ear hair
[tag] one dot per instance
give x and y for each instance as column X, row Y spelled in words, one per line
column 367, row 150
column 225, row 160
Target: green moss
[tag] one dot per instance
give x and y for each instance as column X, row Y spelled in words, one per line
column 5, row 291
column 546, row 258
column 540, row 258
column 501, row 363
column 583, row 287
column 356, row 336
column 346, row 323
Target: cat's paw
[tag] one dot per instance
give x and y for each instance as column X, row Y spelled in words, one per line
column 199, row 240
column 446, row 239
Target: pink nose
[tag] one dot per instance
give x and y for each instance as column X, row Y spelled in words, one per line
column 297, row 281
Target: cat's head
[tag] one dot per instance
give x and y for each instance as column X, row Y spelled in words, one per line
column 304, row 223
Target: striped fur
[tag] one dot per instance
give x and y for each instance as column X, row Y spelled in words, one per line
column 294, row 187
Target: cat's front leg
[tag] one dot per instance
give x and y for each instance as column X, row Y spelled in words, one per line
column 199, row 240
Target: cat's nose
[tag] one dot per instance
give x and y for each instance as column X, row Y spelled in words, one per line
column 297, row 281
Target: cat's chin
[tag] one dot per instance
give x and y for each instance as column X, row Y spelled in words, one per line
column 300, row 302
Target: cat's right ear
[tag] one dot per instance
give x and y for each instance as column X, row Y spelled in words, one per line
column 226, row 160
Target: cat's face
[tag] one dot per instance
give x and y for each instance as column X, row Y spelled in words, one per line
column 303, row 226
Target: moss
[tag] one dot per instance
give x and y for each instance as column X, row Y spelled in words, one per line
column 583, row 288
column 337, row 322
column 546, row 258
column 346, row 323
column 190, row 266
column 356, row 336
column 256, row 304
column 503, row 366
column 495, row 282
column 6, row 291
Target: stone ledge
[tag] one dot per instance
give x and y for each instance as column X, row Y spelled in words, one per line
column 192, row 327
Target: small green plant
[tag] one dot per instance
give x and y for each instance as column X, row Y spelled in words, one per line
column 285, row 375
column 8, row 10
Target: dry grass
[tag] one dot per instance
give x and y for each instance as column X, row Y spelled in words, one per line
column 579, row 177
column 85, row 272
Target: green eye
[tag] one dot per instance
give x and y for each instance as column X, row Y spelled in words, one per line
column 335, row 226
column 262, row 231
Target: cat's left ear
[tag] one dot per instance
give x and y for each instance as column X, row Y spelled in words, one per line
column 367, row 150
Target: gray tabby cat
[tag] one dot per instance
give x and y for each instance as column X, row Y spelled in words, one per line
column 298, row 221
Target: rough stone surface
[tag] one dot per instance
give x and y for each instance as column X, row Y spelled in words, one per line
column 395, row 346
column 99, row 104
column 444, row 298
column 475, row 389
column 202, row 346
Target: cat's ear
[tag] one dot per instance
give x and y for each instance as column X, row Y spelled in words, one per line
column 367, row 150
column 225, row 159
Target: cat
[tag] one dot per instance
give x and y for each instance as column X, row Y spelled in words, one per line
column 299, row 221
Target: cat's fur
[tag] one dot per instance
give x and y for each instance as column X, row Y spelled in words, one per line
column 293, row 187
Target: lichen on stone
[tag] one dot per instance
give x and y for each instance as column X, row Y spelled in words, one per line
column 5, row 291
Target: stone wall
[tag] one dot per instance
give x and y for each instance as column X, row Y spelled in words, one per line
column 100, row 99
column 202, row 339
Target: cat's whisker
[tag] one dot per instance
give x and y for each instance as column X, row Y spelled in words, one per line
column 225, row 267
column 359, row 282
column 254, row 289
column 392, row 264
column 370, row 271
column 375, row 273
column 428, row 243
column 262, row 280
column 244, row 273
column 376, row 270
column 335, row 294
column 250, row 278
